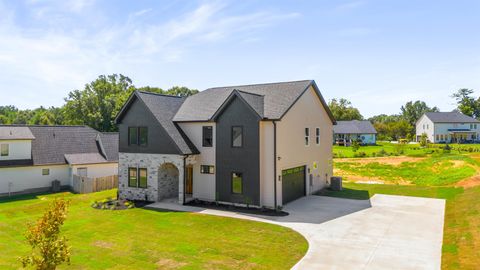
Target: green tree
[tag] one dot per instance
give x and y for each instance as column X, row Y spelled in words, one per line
column 424, row 140
column 48, row 249
column 343, row 110
column 412, row 111
column 466, row 103
column 181, row 91
column 99, row 102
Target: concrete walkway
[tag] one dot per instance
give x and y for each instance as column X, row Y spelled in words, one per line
column 385, row 232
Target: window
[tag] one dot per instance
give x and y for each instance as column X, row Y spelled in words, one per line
column 307, row 136
column 142, row 136
column 4, row 150
column 237, row 183
column 132, row 177
column 471, row 126
column 207, row 136
column 142, row 172
column 317, row 136
column 237, row 136
column 438, row 137
column 475, row 126
column 45, row 171
column 208, row 169
column 427, row 126
column 132, row 136
column 137, row 177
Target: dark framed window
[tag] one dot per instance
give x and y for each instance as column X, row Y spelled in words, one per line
column 132, row 177
column 317, row 136
column 207, row 169
column 237, row 136
column 45, row 171
column 142, row 178
column 4, row 151
column 307, row 136
column 207, row 136
column 142, row 136
column 132, row 135
column 237, row 183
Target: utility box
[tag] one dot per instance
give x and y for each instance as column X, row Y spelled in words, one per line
column 336, row 183
column 56, row 186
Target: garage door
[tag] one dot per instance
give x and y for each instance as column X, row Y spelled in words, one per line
column 293, row 184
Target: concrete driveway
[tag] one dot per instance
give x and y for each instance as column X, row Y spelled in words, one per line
column 385, row 232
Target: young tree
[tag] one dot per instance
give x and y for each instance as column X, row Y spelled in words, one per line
column 48, row 249
column 343, row 110
column 424, row 140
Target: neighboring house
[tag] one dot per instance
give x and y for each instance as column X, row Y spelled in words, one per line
column 262, row 145
column 347, row 131
column 31, row 157
column 448, row 127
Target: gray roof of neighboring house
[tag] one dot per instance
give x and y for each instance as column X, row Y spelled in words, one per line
column 53, row 143
column 164, row 108
column 270, row 100
column 354, row 127
column 85, row 158
column 15, row 133
column 450, row 117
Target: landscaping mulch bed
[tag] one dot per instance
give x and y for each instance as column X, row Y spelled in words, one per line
column 239, row 209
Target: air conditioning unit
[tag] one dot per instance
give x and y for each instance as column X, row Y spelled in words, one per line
column 336, row 183
column 56, row 186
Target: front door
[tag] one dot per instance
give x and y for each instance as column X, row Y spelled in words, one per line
column 189, row 180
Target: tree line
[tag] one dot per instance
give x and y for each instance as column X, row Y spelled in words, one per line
column 402, row 125
column 96, row 105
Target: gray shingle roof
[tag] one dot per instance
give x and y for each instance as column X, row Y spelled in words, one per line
column 277, row 99
column 164, row 108
column 15, row 133
column 52, row 143
column 450, row 117
column 85, row 158
column 354, row 127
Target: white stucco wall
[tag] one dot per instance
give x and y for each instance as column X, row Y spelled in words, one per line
column 18, row 149
column 309, row 112
column 203, row 184
column 266, row 164
column 25, row 178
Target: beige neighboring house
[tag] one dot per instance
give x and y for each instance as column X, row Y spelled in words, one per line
column 262, row 145
column 32, row 157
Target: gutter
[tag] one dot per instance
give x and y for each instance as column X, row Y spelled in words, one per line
column 275, row 164
column 184, row 176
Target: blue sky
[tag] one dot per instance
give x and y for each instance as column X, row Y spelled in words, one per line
column 378, row 54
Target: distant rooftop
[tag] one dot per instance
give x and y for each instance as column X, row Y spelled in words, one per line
column 354, row 127
column 450, row 117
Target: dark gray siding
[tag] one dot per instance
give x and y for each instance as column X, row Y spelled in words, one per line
column 158, row 140
column 245, row 160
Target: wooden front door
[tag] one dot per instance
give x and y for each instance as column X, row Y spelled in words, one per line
column 189, row 182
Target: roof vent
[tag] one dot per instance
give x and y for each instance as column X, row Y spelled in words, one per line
column 11, row 133
column 54, row 134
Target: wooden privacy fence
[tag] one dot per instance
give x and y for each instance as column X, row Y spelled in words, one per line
column 82, row 184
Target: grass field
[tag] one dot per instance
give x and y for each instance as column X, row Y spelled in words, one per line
column 461, row 239
column 143, row 239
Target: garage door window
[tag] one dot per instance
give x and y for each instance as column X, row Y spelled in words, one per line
column 237, row 183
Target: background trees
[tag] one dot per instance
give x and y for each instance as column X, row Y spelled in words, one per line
column 343, row 110
column 96, row 105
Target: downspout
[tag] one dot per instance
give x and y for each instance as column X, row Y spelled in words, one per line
column 275, row 164
column 184, row 176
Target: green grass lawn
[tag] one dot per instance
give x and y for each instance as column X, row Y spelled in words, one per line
column 434, row 170
column 143, row 239
column 461, row 237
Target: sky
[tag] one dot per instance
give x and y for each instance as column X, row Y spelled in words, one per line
column 377, row 54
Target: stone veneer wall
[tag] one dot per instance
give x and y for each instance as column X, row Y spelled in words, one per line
column 152, row 162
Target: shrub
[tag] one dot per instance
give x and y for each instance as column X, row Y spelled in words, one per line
column 355, row 146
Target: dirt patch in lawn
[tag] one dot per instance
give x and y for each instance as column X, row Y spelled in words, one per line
column 469, row 182
column 103, row 244
column 351, row 177
column 395, row 161
column 169, row 264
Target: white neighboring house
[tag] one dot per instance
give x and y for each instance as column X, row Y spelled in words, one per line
column 31, row 157
column 448, row 127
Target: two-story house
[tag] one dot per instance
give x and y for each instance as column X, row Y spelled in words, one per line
column 32, row 157
column 263, row 145
column 448, row 127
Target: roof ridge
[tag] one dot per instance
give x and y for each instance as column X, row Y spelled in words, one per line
column 255, row 84
column 25, row 125
column 250, row 93
column 158, row 94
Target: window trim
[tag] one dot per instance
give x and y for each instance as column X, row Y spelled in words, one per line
column 306, row 136
column 317, row 136
column 231, row 182
column 231, row 137
column 205, row 128
column 139, row 176
column 47, row 170
column 135, row 169
column 208, row 169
